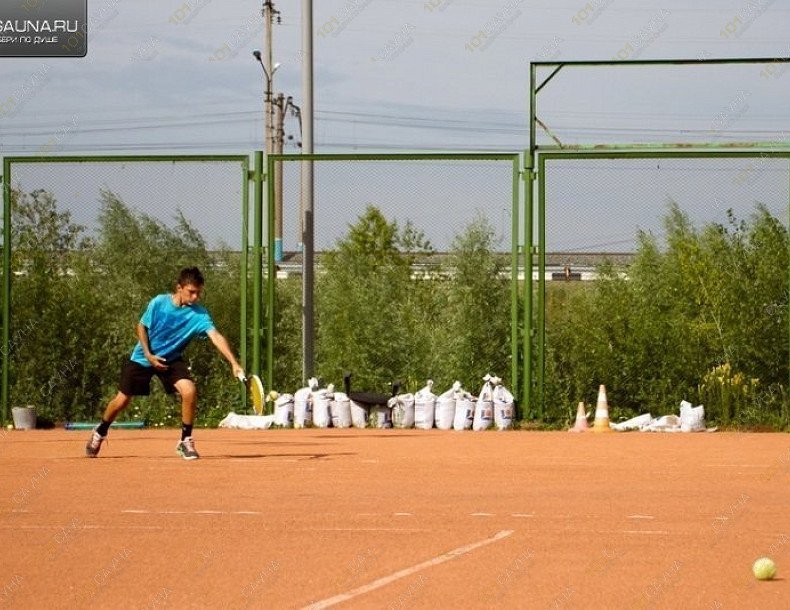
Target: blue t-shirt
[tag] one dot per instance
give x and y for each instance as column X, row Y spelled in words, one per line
column 171, row 328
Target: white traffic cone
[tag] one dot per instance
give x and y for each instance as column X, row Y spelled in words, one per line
column 581, row 420
column 601, row 423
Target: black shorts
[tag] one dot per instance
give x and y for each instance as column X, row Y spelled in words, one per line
column 136, row 378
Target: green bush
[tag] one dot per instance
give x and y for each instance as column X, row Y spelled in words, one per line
column 706, row 298
column 76, row 302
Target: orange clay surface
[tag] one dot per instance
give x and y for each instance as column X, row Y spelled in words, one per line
column 394, row 519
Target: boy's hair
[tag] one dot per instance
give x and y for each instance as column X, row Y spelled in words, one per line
column 190, row 275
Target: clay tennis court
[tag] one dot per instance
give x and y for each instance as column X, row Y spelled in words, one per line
column 394, row 519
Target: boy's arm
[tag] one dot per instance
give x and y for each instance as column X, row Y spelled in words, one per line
column 156, row 361
column 222, row 345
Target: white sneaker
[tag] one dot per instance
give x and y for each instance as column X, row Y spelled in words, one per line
column 186, row 449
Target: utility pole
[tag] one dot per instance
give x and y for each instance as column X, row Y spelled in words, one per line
column 268, row 17
column 307, row 183
column 279, row 137
column 269, row 13
column 283, row 106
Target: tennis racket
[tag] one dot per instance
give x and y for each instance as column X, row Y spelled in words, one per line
column 255, row 389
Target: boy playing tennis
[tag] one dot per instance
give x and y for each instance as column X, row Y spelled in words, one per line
column 169, row 323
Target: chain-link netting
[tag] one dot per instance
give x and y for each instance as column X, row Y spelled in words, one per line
column 667, row 280
column 412, row 274
column 92, row 242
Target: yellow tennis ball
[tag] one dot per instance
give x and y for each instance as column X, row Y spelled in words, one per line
column 273, row 395
column 764, row 569
column 10, row 426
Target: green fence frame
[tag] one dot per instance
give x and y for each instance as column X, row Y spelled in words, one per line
column 534, row 170
column 516, row 248
column 8, row 162
column 765, row 151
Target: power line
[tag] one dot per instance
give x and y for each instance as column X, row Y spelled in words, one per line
column 460, row 126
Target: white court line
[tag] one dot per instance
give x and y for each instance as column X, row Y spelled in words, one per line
column 640, row 517
column 135, row 511
column 362, row 529
column 403, row 514
column 58, row 526
column 326, row 603
column 523, row 515
column 85, row 527
column 736, row 465
column 656, row 532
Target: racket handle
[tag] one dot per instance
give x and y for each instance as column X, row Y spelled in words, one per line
column 242, row 377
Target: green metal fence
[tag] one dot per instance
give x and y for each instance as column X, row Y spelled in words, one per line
column 446, row 293
column 439, row 197
column 617, row 204
column 93, row 238
column 644, row 214
column 196, row 207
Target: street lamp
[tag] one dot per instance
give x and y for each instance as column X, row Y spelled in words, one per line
column 267, row 130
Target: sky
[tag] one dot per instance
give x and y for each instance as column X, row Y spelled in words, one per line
column 178, row 76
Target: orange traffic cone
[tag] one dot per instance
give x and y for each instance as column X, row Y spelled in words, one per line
column 581, row 420
column 601, row 423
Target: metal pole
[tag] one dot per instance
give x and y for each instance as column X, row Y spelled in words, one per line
column 529, row 165
column 6, row 397
column 308, row 363
column 666, row 62
column 271, row 275
column 541, row 287
column 257, row 263
column 528, row 284
column 514, row 231
column 243, row 272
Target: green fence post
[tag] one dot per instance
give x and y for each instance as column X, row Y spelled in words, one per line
column 271, row 272
column 6, row 285
column 514, row 258
column 529, row 177
column 257, row 263
column 541, row 287
column 244, row 271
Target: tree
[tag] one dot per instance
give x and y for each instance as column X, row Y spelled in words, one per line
column 473, row 334
column 46, row 249
column 364, row 303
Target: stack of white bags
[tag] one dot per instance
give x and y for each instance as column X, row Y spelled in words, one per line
column 455, row 409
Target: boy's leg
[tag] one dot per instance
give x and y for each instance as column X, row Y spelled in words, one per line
column 186, row 388
column 135, row 381
column 186, row 447
column 177, row 378
column 99, row 434
column 114, row 407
